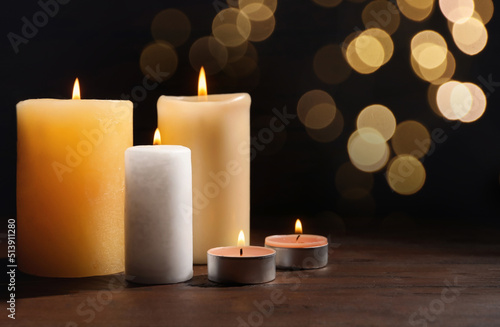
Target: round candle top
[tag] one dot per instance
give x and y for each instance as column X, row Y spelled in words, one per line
column 241, row 251
column 225, row 98
column 291, row 241
column 158, row 149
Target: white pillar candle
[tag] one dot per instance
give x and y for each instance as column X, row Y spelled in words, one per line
column 217, row 130
column 158, row 214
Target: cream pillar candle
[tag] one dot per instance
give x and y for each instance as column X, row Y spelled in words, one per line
column 70, row 186
column 217, row 130
column 158, row 214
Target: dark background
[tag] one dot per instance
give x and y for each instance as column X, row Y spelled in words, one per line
column 101, row 41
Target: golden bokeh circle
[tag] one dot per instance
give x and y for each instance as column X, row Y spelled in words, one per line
column 172, row 26
column 405, row 174
column 369, row 50
column 377, row 166
column 416, row 10
column 378, row 117
column 271, row 4
column 330, row 66
column 231, row 27
column 242, row 61
column 454, row 100
column 478, row 105
column 330, row 132
column 438, row 75
column 209, row 53
column 385, row 40
column 257, row 11
column 356, row 62
column 261, row 29
column 316, row 109
column 470, row 35
column 367, row 149
column 455, row 10
column 432, row 99
column 235, row 53
column 429, row 49
column 485, row 9
column 158, row 56
column 411, row 137
column 381, row 14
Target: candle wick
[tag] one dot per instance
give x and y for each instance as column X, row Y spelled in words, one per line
column 297, row 238
column 241, row 252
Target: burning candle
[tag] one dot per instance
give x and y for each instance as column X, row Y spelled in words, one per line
column 70, row 181
column 241, row 264
column 158, row 214
column 299, row 251
column 217, row 130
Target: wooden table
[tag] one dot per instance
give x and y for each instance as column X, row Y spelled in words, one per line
column 420, row 280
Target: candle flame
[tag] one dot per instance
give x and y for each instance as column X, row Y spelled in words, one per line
column 202, row 84
column 157, row 137
column 298, row 227
column 76, row 90
column 241, row 239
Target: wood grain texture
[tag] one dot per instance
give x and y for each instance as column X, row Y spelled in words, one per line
column 422, row 280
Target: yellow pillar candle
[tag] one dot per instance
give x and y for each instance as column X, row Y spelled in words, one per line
column 70, row 185
column 217, row 130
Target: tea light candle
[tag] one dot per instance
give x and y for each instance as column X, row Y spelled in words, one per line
column 299, row 251
column 158, row 214
column 241, row 264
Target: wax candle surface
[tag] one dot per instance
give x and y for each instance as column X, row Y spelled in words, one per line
column 291, row 241
column 70, row 186
column 253, row 265
column 246, row 251
column 217, row 130
column 158, row 214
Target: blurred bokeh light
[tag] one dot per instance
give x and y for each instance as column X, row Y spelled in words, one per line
column 330, row 66
column 231, row 27
column 455, row 10
column 381, row 14
column 411, row 137
column 209, row 53
column 368, row 149
column 316, row 109
column 416, row 10
column 470, row 35
column 406, row 174
column 172, row 26
column 378, row 117
column 159, row 55
column 369, row 50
